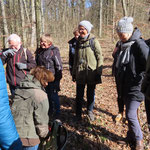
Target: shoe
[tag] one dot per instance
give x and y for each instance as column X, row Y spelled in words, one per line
column 126, row 141
column 91, row 115
column 119, row 117
column 77, row 119
column 139, row 145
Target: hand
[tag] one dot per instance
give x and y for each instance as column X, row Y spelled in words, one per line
column 21, row 65
column 9, row 51
column 73, row 78
column 99, row 70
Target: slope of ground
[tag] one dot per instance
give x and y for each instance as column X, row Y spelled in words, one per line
column 103, row 133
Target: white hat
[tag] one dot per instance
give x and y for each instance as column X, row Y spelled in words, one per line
column 87, row 25
column 125, row 25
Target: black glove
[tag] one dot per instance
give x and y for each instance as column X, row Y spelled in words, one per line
column 73, row 78
column 99, row 70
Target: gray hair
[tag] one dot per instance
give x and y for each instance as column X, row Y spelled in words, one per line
column 14, row 37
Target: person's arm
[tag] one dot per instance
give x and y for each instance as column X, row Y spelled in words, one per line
column 30, row 60
column 41, row 117
column 98, row 55
column 57, row 64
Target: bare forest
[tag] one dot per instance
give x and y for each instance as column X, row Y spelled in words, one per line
column 31, row 18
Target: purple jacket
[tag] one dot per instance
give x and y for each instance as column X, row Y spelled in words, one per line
column 13, row 74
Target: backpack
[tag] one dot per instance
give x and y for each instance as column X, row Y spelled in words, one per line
column 58, row 137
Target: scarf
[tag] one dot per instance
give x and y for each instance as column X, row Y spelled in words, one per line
column 124, row 55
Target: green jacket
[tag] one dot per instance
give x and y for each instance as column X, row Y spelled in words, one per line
column 30, row 109
column 146, row 81
column 88, row 63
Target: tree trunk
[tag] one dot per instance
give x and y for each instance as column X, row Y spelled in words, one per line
column 38, row 21
column 23, row 29
column 5, row 28
column 33, row 27
column 100, row 17
column 125, row 13
column 114, row 19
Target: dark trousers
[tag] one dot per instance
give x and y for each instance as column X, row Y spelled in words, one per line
column 79, row 97
column 147, row 108
column 52, row 93
column 134, row 129
column 12, row 89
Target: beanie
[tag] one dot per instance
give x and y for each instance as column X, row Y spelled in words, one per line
column 87, row 25
column 125, row 25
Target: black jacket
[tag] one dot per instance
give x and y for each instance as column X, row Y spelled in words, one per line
column 72, row 46
column 51, row 60
column 130, row 76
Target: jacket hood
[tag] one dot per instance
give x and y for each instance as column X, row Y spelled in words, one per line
column 136, row 35
column 30, row 82
column 90, row 36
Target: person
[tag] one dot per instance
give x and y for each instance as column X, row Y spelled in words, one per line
column 49, row 56
column 72, row 46
column 120, row 100
column 17, row 63
column 131, row 65
column 9, row 137
column 87, row 69
column 146, row 88
column 30, row 108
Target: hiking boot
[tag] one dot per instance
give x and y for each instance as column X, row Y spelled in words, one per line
column 91, row 115
column 139, row 145
column 119, row 117
column 77, row 118
column 126, row 141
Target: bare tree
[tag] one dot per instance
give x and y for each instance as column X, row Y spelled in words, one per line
column 125, row 13
column 100, row 17
column 5, row 28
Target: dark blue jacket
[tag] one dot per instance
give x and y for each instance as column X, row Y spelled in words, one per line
column 129, row 77
column 9, row 138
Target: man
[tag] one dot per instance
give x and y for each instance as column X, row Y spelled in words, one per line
column 9, row 138
column 19, row 61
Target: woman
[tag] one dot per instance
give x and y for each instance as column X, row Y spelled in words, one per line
column 131, row 65
column 30, row 108
column 87, row 68
column 49, row 56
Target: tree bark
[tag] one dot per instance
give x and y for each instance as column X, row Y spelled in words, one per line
column 125, row 13
column 5, row 28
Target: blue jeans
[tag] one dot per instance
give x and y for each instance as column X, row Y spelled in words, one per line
column 134, row 129
column 52, row 92
column 12, row 89
column 30, row 147
column 79, row 97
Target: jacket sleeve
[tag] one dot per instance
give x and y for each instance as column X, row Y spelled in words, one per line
column 57, row 64
column 41, row 118
column 30, row 60
column 98, row 55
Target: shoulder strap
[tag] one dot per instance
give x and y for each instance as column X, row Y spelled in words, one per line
column 25, row 53
column 91, row 43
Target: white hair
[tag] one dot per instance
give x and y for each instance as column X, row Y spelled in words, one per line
column 14, row 37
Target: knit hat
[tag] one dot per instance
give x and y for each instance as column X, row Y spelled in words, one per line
column 87, row 25
column 125, row 25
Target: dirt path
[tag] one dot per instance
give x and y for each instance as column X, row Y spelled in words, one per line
column 103, row 132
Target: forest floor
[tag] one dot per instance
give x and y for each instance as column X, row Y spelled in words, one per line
column 103, row 133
